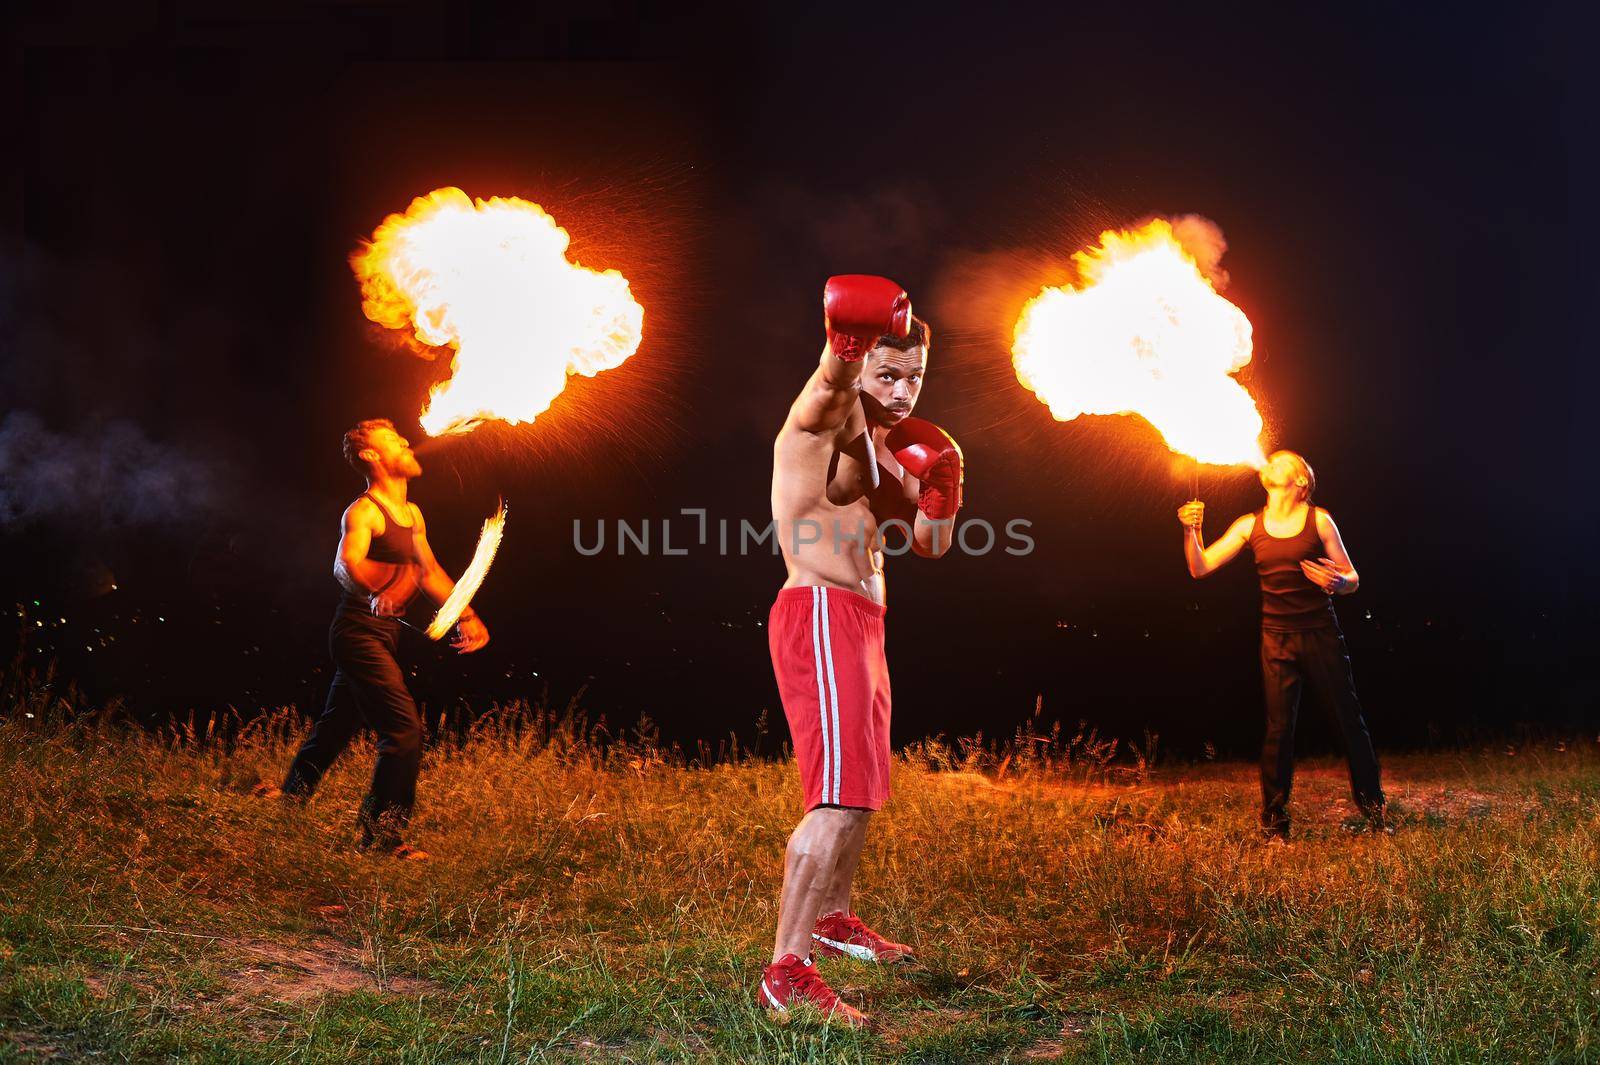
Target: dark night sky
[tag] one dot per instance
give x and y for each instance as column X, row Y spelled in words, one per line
column 183, row 343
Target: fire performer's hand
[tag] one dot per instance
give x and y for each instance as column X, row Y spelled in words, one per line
column 1192, row 514
column 928, row 454
column 1324, row 573
column 471, row 633
column 390, row 601
column 860, row 308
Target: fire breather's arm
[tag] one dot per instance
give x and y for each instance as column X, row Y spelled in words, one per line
column 1204, row 561
column 471, row 633
column 1334, row 573
column 436, row 583
column 358, row 574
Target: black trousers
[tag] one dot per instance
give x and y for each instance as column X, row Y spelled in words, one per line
column 1313, row 662
column 367, row 687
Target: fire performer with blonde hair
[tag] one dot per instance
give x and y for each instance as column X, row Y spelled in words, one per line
column 1302, row 564
column 382, row 563
column 848, row 460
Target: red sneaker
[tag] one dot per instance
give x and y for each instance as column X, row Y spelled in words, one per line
column 845, row 934
column 790, row 982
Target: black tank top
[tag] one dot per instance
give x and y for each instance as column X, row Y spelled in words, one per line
column 398, row 542
column 397, row 545
column 1290, row 602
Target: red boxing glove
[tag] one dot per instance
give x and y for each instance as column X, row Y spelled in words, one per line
column 929, row 455
column 858, row 309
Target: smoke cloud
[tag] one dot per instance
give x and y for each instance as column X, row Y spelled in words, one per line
column 109, row 476
column 1202, row 239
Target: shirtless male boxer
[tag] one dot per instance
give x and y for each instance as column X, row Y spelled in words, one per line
column 382, row 562
column 848, row 459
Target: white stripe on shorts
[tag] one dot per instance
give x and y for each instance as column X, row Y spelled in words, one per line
column 822, row 694
column 833, row 692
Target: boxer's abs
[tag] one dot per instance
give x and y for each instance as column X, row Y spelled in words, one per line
column 824, row 521
column 830, row 546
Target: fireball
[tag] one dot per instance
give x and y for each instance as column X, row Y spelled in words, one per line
column 1144, row 333
column 491, row 279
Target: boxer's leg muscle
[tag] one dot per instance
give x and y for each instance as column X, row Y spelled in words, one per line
column 811, row 863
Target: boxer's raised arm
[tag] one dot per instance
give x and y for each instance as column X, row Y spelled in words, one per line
column 825, row 404
column 857, row 310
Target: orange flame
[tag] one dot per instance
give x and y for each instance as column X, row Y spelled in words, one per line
column 491, row 279
column 455, row 604
column 1147, row 334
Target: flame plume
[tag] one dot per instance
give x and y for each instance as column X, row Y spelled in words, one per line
column 491, row 279
column 1144, row 333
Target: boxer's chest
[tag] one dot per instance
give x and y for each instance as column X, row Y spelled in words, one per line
column 850, row 488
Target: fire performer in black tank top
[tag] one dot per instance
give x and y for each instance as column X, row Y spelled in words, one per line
column 1302, row 564
column 383, row 562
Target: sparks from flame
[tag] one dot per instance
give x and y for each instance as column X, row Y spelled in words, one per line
column 1144, row 333
column 491, row 279
column 450, row 610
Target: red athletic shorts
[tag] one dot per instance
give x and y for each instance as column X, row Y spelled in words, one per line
column 827, row 653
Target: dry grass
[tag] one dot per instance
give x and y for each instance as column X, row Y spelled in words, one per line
column 613, row 902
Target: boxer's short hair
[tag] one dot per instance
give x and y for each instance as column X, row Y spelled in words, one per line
column 359, row 438
column 1302, row 467
column 920, row 336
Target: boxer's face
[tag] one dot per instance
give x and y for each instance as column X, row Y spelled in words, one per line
column 394, row 454
column 891, row 382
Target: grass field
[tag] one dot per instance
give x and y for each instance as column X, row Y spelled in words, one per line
column 615, row 903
